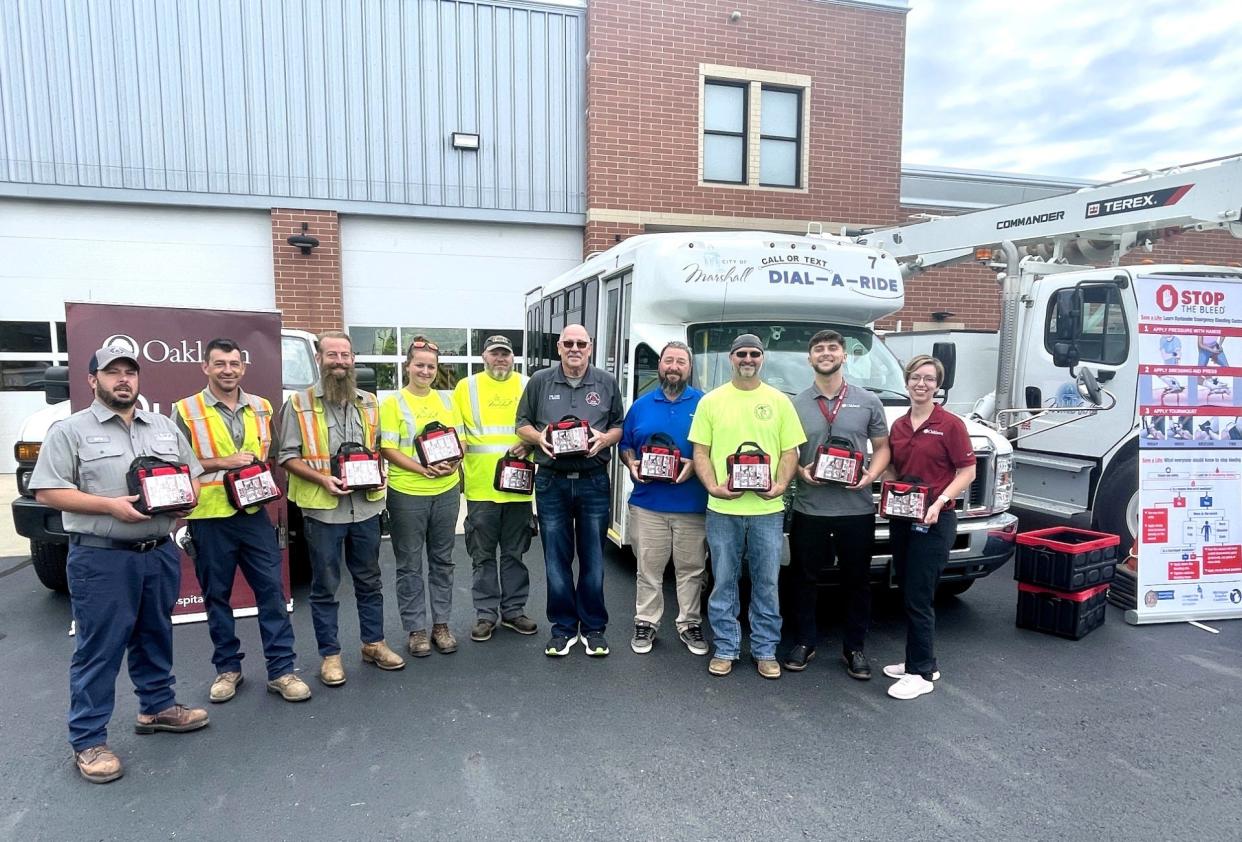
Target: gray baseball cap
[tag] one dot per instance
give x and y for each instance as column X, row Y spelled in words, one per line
column 746, row 340
column 104, row 357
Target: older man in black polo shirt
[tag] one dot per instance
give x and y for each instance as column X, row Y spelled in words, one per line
column 572, row 492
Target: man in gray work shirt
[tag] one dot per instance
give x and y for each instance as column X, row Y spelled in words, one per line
column 830, row 518
column 124, row 571
column 572, row 493
column 313, row 426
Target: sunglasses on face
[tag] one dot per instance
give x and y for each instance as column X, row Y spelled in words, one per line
column 575, row 343
column 748, row 355
column 419, row 344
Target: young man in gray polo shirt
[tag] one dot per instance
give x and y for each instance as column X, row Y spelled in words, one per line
column 829, row 518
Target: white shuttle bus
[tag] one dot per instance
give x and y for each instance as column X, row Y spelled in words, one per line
column 705, row 288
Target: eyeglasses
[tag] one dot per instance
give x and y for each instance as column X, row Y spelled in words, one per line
column 922, row 378
column 748, row 355
column 575, row 343
column 419, row 344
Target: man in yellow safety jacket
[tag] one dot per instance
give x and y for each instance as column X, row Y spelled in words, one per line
column 487, row 403
column 230, row 429
column 313, row 426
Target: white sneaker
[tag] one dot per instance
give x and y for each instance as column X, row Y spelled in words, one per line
column 899, row 671
column 911, row 686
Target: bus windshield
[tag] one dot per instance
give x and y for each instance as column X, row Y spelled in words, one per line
column 868, row 361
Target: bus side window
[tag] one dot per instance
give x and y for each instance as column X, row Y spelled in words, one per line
column 646, row 370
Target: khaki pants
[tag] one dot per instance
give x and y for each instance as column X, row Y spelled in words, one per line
column 656, row 536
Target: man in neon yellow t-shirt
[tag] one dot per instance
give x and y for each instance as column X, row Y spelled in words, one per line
column 745, row 411
column 422, row 501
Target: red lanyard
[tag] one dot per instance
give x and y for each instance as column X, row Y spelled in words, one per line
column 831, row 417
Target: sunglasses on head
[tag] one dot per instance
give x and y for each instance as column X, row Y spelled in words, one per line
column 748, row 355
column 575, row 343
column 419, row 344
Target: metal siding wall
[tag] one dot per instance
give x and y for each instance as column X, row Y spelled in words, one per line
column 312, row 99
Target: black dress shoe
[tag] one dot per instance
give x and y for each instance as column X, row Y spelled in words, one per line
column 798, row 657
column 856, row 665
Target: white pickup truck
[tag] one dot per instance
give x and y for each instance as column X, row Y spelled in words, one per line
column 49, row 543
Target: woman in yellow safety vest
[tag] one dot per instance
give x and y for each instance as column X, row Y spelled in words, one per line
column 423, row 499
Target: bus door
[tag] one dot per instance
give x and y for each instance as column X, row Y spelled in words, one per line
column 613, row 343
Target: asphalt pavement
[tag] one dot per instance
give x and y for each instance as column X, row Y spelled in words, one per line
column 1130, row 733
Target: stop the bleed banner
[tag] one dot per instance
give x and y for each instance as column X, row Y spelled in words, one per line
column 1190, row 459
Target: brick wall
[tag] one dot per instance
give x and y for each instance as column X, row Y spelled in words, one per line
column 643, row 93
column 308, row 287
column 971, row 293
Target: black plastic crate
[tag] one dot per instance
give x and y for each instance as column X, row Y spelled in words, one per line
column 1066, row 559
column 1072, row 615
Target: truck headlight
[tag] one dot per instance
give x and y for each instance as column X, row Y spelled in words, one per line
column 1002, row 488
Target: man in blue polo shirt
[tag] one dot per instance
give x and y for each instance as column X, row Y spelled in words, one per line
column 666, row 517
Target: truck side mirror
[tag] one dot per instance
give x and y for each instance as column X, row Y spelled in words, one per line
column 946, row 352
column 56, row 384
column 1068, row 308
column 1034, row 397
column 1064, row 354
column 366, row 378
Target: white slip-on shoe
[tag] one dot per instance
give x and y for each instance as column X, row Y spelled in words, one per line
column 910, row 686
column 899, row 670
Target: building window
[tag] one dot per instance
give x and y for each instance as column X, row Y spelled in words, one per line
column 724, row 132
column 383, row 349
column 780, row 137
column 754, row 128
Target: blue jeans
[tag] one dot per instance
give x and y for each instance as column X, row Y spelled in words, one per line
column 248, row 542
column 122, row 602
column 758, row 539
column 361, row 542
column 573, row 513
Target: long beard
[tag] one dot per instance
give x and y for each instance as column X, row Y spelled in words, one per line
column 339, row 390
column 672, row 388
column 499, row 373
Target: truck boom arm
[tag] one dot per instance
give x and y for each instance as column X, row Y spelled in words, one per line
column 1101, row 221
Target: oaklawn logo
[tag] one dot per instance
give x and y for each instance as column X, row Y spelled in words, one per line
column 159, row 351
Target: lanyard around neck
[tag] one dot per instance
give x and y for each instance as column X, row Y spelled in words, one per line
column 831, row 417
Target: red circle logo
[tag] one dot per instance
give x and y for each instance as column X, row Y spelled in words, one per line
column 1166, row 297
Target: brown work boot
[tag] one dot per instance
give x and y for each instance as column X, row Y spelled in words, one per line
column 521, row 624
column 177, row 719
column 482, row 629
column 331, row 671
column 379, row 654
column 225, row 686
column 419, row 645
column 720, row 666
column 98, row 764
column 768, row 667
column 445, row 643
column 290, row 688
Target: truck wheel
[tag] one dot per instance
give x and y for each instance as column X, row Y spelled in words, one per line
column 1117, row 506
column 949, row 589
column 48, row 561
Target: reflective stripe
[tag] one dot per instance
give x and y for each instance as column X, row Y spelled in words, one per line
column 263, row 420
column 476, row 414
column 314, row 452
column 487, row 448
column 408, row 439
column 199, row 430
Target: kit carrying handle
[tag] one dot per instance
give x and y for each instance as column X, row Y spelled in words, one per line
column 753, row 444
column 662, row 438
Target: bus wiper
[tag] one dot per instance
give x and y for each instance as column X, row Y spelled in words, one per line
column 879, row 390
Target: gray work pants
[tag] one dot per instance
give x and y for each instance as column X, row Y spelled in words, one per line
column 417, row 522
column 498, row 592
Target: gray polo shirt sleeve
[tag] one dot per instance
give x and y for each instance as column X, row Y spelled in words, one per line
column 57, row 463
column 187, row 455
column 530, row 402
column 878, row 427
column 289, row 435
column 616, row 407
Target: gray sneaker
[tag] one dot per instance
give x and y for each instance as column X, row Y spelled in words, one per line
column 644, row 637
column 692, row 636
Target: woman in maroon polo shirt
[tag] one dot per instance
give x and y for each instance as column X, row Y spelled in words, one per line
column 931, row 445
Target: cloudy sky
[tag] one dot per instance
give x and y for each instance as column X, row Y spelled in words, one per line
column 1084, row 89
